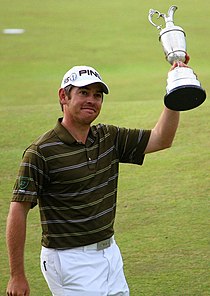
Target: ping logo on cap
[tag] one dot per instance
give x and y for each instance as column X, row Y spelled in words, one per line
column 82, row 72
column 83, row 75
column 89, row 72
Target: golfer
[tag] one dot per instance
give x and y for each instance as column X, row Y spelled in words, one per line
column 71, row 172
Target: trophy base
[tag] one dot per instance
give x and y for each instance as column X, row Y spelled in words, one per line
column 185, row 98
column 183, row 91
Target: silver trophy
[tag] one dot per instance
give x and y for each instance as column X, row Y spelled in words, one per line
column 183, row 90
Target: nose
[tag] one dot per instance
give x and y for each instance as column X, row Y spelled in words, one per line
column 91, row 98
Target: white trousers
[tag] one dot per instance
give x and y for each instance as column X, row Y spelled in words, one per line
column 84, row 272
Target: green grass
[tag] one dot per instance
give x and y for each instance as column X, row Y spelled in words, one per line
column 162, row 222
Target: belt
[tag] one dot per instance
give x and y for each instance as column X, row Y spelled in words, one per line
column 98, row 246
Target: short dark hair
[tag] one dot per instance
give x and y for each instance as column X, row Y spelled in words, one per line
column 67, row 90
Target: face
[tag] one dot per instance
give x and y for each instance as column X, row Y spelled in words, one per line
column 83, row 104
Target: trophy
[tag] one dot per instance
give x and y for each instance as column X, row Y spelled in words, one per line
column 183, row 90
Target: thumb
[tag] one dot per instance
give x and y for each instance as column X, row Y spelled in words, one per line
column 187, row 58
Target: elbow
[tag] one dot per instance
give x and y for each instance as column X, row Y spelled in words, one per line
column 166, row 145
column 159, row 141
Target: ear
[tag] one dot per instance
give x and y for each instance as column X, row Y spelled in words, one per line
column 62, row 96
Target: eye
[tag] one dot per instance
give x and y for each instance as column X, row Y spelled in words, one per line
column 83, row 92
column 98, row 95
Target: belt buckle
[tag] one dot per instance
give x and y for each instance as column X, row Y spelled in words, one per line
column 103, row 244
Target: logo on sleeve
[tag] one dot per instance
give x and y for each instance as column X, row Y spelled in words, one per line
column 23, row 182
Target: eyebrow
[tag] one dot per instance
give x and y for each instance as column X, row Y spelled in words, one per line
column 88, row 88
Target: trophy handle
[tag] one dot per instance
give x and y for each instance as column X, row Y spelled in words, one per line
column 152, row 12
column 169, row 18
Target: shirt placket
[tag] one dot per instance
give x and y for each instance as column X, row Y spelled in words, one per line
column 91, row 154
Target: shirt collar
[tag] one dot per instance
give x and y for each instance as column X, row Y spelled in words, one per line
column 67, row 138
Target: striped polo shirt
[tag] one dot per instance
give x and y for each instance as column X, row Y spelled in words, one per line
column 75, row 184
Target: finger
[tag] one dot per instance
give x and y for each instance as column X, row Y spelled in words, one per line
column 187, row 58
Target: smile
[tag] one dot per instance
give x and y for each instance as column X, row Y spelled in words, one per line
column 89, row 109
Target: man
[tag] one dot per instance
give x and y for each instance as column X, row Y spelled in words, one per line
column 71, row 172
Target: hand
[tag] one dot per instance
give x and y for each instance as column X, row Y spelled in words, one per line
column 187, row 58
column 18, row 286
column 181, row 64
column 178, row 64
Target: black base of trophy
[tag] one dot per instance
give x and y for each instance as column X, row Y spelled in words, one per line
column 184, row 98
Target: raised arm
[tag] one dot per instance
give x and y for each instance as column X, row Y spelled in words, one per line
column 163, row 133
column 15, row 236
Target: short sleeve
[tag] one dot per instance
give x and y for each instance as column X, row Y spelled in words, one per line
column 31, row 176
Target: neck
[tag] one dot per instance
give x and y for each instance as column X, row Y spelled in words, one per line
column 78, row 131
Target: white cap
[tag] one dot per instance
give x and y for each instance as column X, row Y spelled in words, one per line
column 82, row 76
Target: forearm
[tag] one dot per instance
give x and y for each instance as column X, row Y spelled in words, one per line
column 166, row 127
column 163, row 133
column 15, row 236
